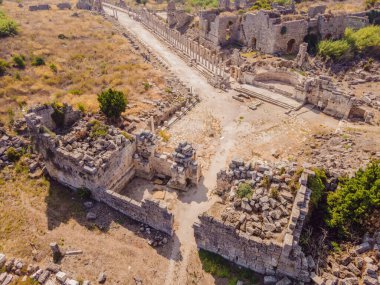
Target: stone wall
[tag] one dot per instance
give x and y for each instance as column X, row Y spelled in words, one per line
column 40, row 7
column 236, row 232
column 147, row 211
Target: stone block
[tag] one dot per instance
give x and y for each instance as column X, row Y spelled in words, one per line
column 61, row 276
column 362, row 248
column 3, row 259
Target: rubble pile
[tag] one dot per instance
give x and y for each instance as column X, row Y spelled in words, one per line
column 184, row 157
column 360, row 265
column 146, row 142
column 91, row 144
column 264, row 211
column 338, row 154
column 7, row 142
column 16, row 269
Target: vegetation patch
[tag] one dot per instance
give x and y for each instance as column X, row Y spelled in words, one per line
column 355, row 200
column 317, row 185
column 244, row 191
column 3, row 67
column 38, row 61
column 19, row 61
column 13, row 155
column 222, row 268
column 164, row 135
column 8, row 27
column 362, row 41
column 98, row 129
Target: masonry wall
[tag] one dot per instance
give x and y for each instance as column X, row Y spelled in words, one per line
column 148, row 212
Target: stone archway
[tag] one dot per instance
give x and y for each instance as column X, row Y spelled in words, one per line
column 312, row 42
column 290, row 46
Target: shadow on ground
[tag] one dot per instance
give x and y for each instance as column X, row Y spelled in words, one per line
column 63, row 205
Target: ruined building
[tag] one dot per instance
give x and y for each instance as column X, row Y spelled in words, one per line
column 273, row 31
column 83, row 153
column 259, row 229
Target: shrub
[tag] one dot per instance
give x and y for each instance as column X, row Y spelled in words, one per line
column 8, row 27
column 98, row 129
column 317, row 185
column 19, row 61
column 164, row 135
column 261, row 5
column 355, row 200
column 365, row 39
column 13, row 155
column 3, row 67
column 53, row 68
column 128, row 136
column 334, row 49
column 244, row 190
column 274, row 193
column 112, row 103
column 37, row 61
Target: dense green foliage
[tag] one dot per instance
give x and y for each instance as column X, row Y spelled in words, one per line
column 317, row 185
column 221, row 268
column 244, row 190
column 261, row 5
column 365, row 40
column 112, row 103
column 37, row 61
column 204, row 3
column 3, row 67
column 8, row 27
column 334, row 49
column 355, row 200
column 19, row 61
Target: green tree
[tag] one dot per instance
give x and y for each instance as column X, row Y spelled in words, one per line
column 112, row 103
column 244, row 190
column 335, row 50
column 355, row 200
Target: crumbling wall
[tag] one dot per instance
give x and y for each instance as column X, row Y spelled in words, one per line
column 148, row 212
column 322, row 92
column 270, row 256
column 40, row 7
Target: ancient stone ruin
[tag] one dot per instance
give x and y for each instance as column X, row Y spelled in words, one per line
column 261, row 230
column 83, row 153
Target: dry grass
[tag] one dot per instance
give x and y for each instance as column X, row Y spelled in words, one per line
column 335, row 6
column 92, row 57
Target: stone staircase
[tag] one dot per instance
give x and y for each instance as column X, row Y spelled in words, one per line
column 265, row 98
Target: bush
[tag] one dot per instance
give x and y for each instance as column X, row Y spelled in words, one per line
column 355, row 200
column 53, row 68
column 261, row 5
column 244, row 190
column 37, row 61
column 112, row 103
column 8, row 27
column 366, row 39
column 317, row 185
column 13, row 155
column 19, row 61
column 98, row 129
column 164, row 135
column 3, row 67
column 334, row 49
column 371, row 3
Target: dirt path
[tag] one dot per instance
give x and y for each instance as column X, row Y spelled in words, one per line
column 242, row 133
column 198, row 200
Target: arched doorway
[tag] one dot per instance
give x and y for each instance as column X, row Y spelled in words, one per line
column 312, row 42
column 253, row 43
column 290, row 46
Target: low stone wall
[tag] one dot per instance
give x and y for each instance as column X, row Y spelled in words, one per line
column 40, row 7
column 148, row 212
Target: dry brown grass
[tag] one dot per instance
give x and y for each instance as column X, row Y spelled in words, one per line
column 92, row 57
column 335, row 6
